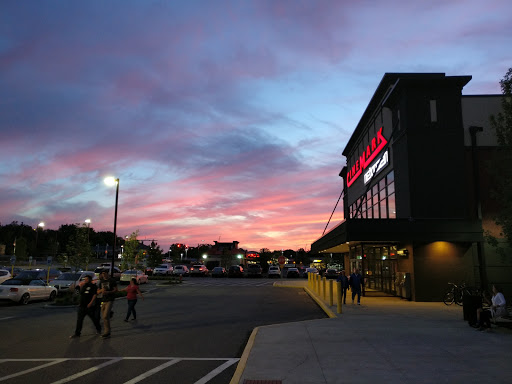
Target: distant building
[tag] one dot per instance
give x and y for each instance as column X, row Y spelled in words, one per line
column 224, row 254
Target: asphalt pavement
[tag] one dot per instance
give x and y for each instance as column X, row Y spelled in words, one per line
column 383, row 340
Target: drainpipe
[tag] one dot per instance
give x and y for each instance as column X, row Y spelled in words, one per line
column 473, row 130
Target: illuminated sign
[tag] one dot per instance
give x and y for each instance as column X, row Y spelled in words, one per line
column 376, row 167
column 372, row 150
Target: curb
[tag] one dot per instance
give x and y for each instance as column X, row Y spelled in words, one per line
column 320, row 302
column 245, row 356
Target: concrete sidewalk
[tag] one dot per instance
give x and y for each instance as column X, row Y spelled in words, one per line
column 384, row 340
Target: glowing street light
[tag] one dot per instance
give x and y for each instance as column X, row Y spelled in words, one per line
column 111, row 181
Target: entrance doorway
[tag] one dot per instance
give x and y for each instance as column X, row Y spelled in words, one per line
column 378, row 264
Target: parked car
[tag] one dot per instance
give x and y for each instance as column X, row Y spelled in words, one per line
column 13, row 271
column 181, row 270
column 235, row 271
column 163, row 270
column 310, row 270
column 331, row 273
column 199, row 270
column 140, row 276
column 4, row 275
column 254, row 270
column 71, row 281
column 274, row 271
column 39, row 273
column 24, row 290
column 117, row 272
column 219, row 272
column 292, row 272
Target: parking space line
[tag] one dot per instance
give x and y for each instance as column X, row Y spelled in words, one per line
column 145, row 375
column 87, row 371
column 56, row 361
column 216, row 371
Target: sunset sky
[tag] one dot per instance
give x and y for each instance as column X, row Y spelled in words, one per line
column 223, row 120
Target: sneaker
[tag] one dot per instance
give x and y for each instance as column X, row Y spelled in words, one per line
column 106, row 335
column 74, row 336
column 358, row 303
column 126, row 320
column 98, row 331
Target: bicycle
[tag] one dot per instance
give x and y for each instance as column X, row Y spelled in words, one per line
column 456, row 293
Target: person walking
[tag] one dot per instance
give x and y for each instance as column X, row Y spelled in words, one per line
column 86, row 307
column 356, row 283
column 344, row 285
column 132, row 291
column 107, row 291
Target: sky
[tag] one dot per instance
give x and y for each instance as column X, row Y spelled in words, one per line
column 223, row 120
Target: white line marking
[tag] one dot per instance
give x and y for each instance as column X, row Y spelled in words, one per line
column 56, row 361
column 146, row 374
column 87, row 371
column 216, row 371
column 6, row 318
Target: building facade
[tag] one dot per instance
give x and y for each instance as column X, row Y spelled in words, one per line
column 415, row 202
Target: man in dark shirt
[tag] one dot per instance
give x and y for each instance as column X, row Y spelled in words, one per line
column 356, row 283
column 86, row 306
column 107, row 288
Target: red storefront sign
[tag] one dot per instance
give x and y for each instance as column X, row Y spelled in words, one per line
column 372, row 150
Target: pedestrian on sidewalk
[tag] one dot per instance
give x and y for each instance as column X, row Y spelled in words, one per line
column 86, row 306
column 344, row 285
column 132, row 291
column 107, row 292
column 356, row 283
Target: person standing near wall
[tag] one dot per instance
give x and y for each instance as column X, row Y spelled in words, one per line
column 356, row 282
column 344, row 285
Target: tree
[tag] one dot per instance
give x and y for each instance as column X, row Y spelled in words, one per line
column 78, row 249
column 154, row 256
column 500, row 167
column 131, row 250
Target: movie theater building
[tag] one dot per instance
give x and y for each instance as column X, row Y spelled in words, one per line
column 414, row 187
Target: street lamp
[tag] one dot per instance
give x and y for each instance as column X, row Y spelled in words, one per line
column 40, row 225
column 111, row 181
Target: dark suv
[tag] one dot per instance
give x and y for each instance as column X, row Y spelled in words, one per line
column 254, row 270
column 235, row 271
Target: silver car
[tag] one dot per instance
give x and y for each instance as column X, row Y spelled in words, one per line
column 25, row 290
column 70, row 282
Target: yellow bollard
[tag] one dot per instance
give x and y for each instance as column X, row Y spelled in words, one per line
column 330, row 293
column 318, row 285
column 323, row 287
column 338, row 286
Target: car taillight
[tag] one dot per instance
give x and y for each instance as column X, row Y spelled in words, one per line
column 14, row 289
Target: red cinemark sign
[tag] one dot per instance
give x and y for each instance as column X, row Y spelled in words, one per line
column 372, row 150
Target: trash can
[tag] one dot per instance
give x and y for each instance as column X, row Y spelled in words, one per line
column 470, row 303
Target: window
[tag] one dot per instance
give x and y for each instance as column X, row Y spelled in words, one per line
column 378, row 202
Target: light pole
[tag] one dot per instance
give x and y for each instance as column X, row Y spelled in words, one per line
column 40, row 225
column 112, row 181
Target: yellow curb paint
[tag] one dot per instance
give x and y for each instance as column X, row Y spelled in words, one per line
column 245, row 356
column 320, row 302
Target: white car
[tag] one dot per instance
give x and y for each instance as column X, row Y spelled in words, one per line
column 140, row 276
column 274, row 271
column 181, row 270
column 25, row 290
column 310, row 270
column 69, row 281
column 163, row 269
column 4, row 275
